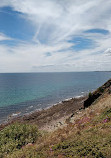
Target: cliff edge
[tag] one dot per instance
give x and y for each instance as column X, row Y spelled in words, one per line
column 96, row 94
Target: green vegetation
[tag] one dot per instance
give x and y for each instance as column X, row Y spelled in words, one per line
column 101, row 89
column 104, row 117
column 17, row 135
column 90, row 139
column 106, row 114
column 90, row 143
column 90, row 94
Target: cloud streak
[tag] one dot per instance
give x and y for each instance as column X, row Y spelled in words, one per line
column 3, row 37
column 56, row 23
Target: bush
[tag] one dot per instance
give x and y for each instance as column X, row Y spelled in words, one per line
column 15, row 136
column 90, row 95
column 101, row 89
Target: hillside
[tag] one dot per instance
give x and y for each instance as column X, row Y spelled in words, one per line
column 84, row 133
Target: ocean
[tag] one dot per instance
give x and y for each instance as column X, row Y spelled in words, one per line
column 22, row 93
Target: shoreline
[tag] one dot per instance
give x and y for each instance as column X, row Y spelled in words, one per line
column 49, row 117
column 30, row 109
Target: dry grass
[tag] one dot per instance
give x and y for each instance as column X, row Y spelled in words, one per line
column 87, row 135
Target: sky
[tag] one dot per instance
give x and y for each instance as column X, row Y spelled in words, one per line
column 55, row 35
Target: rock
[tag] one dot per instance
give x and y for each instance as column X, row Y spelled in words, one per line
column 96, row 94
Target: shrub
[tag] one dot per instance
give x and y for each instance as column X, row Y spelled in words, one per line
column 101, row 89
column 90, row 95
column 15, row 136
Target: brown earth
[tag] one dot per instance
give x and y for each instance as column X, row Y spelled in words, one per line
column 53, row 117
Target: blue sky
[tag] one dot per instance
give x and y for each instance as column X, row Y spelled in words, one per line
column 13, row 25
column 58, row 35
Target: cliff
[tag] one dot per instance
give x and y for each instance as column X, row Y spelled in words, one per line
column 96, row 94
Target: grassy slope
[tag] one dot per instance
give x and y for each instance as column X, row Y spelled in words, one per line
column 87, row 135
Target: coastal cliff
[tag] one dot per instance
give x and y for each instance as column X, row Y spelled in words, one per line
column 96, row 94
column 73, row 132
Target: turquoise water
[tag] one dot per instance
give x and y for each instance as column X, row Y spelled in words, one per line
column 20, row 91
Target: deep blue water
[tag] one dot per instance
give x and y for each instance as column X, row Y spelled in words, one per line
column 25, row 92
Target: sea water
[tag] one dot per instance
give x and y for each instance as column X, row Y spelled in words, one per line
column 21, row 93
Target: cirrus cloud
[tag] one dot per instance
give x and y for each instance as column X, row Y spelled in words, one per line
column 60, row 28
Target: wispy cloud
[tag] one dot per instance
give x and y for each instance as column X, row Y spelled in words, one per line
column 69, row 36
column 3, row 37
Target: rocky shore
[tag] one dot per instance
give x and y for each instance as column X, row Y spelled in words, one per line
column 58, row 116
column 51, row 118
